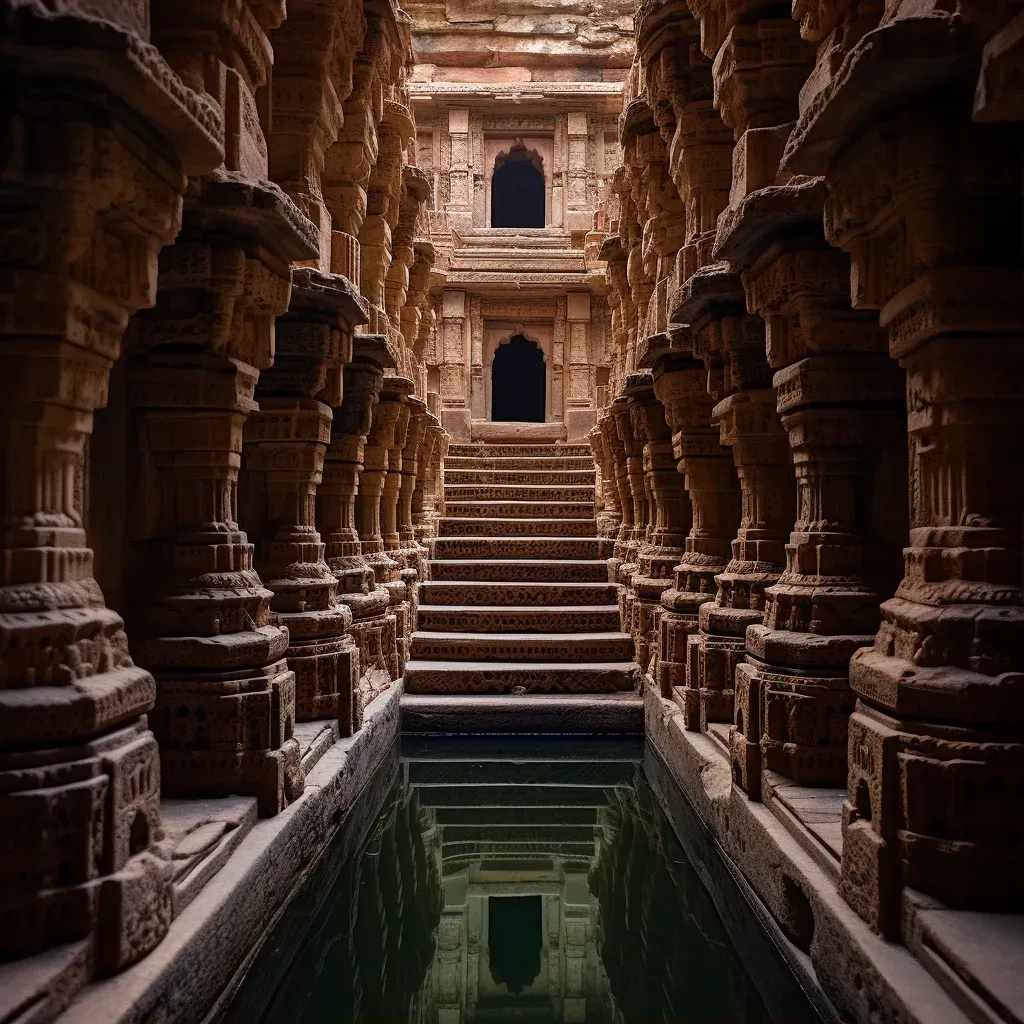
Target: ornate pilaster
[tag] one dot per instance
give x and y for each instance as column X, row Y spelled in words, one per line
column 225, row 707
column 285, row 444
column 609, row 514
column 840, row 401
column 373, row 627
column 376, row 501
column 697, row 668
column 670, row 519
column 412, row 554
column 428, row 498
column 91, row 200
column 928, row 205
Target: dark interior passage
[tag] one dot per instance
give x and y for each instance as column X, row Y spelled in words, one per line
column 517, row 195
column 518, row 382
column 515, row 940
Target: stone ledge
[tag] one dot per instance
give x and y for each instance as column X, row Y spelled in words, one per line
column 856, row 969
column 185, row 975
column 614, row 713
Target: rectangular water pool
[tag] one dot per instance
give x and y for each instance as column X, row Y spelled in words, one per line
column 518, row 879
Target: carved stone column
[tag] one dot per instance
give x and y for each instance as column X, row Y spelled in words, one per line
column 90, row 201
column 731, row 344
column 759, row 63
column 425, row 513
column 693, row 668
column 402, row 580
column 620, row 481
column 373, row 628
column 841, row 403
column 314, row 53
column 225, row 707
column 670, row 519
column 411, row 553
column 389, row 420
column 285, row 443
column 609, row 514
column 928, row 204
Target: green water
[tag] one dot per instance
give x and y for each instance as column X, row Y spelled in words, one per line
column 506, row 880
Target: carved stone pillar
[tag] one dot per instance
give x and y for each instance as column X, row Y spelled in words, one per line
column 456, row 412
column 285, row 443
column 90, row 203
column 639, row 523
column 373, row 628
column 415, row 188
column 225, row 707
column 416, row 314
column 608, row 512
column 841, row 403
column 698, row 674
column 403, row 577
column 383, row 447
column 425, row 513
column 620, row 480
column 314, row 51
column 731, row 344
column 412, row 554
column 928, row 204
column 670, row 519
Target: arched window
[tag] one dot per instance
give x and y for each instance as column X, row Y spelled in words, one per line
column 518, row 382
column 517, row 189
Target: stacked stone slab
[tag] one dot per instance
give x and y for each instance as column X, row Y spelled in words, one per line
column 518, row 596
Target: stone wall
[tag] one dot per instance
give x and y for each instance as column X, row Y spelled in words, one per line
column 218, row 254
column 813, row 251
column 543, row 84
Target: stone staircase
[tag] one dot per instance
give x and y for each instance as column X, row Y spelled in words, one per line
column 518, row 598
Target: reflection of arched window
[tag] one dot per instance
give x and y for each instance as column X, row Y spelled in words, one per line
column 518, row 382
column 517, row 189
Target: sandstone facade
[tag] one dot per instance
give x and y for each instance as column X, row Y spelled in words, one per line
column 214, row 400
column 265, row 261
column 810, row 246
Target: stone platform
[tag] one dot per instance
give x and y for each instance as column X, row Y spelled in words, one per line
column 961, row 967
column 215, row 935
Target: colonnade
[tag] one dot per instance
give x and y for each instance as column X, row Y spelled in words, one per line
column 814, row 259
column 217, row 257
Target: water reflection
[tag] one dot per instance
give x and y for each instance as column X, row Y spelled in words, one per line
column 504, row 881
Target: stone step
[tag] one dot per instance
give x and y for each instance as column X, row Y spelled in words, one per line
column 551, row 462
column 520, row 509
column 515, row 547
column 589, row 647
column 508, row 451
column 523, row 477
column 453, row 527
column 500, row 618
column 517, row 492
column 453, row 677
column 521, row 570
column 522, row 595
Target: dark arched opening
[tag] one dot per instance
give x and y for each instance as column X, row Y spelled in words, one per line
column 517, row 190
column 518, row 382
column 514, row 939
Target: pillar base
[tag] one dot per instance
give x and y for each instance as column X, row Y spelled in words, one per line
column 230, row 732
column 78, row 822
